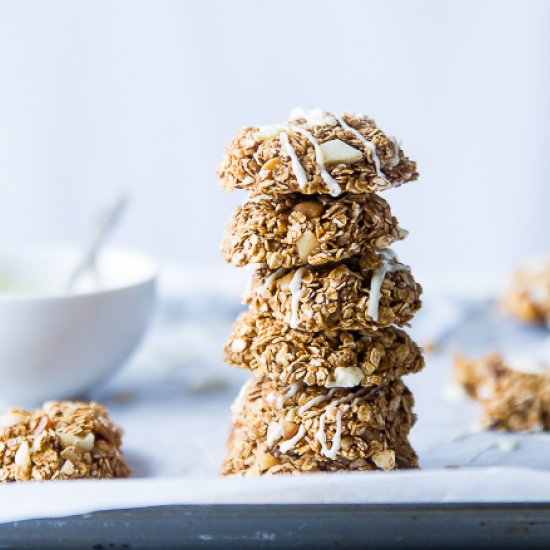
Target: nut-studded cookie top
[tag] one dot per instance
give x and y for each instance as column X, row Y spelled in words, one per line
column 366, row 291
column 315, row 152
column 335, row 358
column 294, row 230
column 61, row 440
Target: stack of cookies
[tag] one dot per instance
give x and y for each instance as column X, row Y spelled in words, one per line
column 321, row 336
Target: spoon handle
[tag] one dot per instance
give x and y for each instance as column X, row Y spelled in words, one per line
column 107, row 221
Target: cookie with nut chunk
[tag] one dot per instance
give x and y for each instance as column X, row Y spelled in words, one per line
column 345, row 359
column 60, row 440
column 294, row 230
column 313, row 429
column 315, row 152
column 364, row 292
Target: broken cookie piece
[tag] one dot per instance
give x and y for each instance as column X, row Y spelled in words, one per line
column 514, row 394
column 528, row 296
column 60, row 440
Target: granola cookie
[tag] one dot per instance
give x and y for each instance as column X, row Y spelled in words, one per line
column 294, row 230
column 515, row 395
column 61, row 440
column 528, row 297
column 366, row 291
column 315, row 153
column 329, row 358
column 311, row 429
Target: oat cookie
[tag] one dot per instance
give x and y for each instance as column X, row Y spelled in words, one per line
column 61, row 440
column 330, row 358
column 528, row 297
column 514, row 394
column 294, row 230
column 316, row 429
column 315, row 152
column 371, row 290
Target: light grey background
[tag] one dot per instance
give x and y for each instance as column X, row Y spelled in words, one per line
column 144, row 95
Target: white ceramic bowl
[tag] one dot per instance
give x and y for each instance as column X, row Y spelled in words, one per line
column 58, row 345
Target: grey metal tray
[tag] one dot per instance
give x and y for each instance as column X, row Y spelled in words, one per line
column 292, row 526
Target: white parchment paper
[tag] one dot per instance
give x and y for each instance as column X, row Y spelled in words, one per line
column 173, row 402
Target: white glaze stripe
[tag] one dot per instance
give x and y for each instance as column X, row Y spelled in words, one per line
column 295, row 286
column 285, row 446
column 298, row 169
column 269, row 279
column 368, row 144
column 332, row 184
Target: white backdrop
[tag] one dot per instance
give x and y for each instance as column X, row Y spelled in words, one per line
column 96, row 96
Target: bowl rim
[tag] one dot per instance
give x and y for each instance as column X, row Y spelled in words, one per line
column 150, row 276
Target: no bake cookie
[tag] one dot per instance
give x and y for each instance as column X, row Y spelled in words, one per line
column 315, row 152
column 514, row 394
column 61, row 440
column 309, row 429
column 329, row 358
column 294, row 230
column 371, row 290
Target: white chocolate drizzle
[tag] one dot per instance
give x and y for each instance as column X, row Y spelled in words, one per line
column 290, row 392
column 278, row 399
column 355, row 397
column 332, row 184
column 238, row 403
column 269, row 279
column 377, row 281
column 257, row 199
column 285, row 446
column 368, row 144
column 248, row 289
column 396, row 159
column 298, row 169
column 274, row 433
column 312, row 402
column 295, row 286
column 313, row 117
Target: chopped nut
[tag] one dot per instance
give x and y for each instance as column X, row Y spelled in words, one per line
column 310, row 209
column 238, row 345
column 84, row 443
column 271, row 164
column 43, row 424
column 337, row 151
column 23, row 461
column 289, row 429
column 347, row 377
column 384, row 459
column 68, row 468
column 265, row 461
column 306, row 244
column 284, row 282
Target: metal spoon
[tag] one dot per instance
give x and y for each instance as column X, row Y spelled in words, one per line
column 108, row 219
